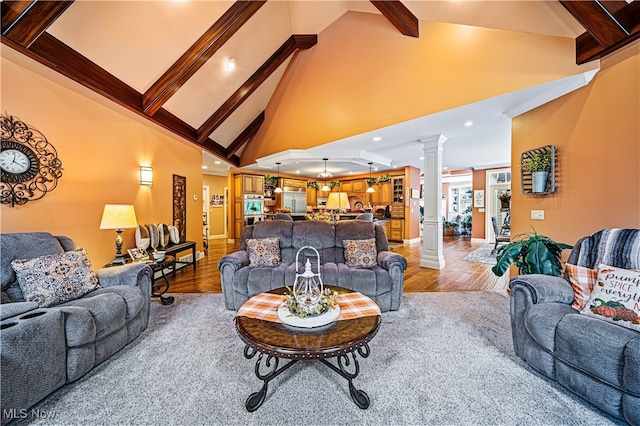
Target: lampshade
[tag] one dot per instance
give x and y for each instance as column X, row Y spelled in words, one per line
column 146, row 176
column 118, row 216
column 338, row 201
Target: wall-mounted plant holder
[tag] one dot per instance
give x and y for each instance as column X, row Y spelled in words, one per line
column 533, row 162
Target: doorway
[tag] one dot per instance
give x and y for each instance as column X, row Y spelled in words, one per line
column 498, row 182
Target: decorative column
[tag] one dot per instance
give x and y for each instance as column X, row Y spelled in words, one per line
column 432, row 255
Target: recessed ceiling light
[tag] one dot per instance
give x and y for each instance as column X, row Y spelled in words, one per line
column 216, row 162
column 468, row 123
column 230, row 64
column 377, row 138
column 204, row 167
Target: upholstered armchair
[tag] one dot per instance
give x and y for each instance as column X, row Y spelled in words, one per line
column 43, row 347
column 596, row 359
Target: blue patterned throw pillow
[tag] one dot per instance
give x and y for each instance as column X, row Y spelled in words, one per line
column 263, row 252
column 56, row 278
column 360, row 253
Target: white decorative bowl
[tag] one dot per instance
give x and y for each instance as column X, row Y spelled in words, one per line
column 158, row 255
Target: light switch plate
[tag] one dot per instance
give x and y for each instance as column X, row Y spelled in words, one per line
column 537, row 214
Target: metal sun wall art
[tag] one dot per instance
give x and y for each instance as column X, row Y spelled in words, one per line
column 29, row 163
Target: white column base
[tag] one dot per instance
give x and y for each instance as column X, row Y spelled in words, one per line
column 432, row 262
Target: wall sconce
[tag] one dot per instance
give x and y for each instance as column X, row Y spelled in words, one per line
column 146, row 176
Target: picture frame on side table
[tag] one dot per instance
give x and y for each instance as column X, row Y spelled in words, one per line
column 138, row 254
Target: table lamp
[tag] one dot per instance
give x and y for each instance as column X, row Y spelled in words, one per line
column 338, row 201
column 118, row 217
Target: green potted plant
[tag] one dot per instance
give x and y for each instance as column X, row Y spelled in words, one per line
column 538, row 163
column 313, row 185
column 532, row 253
column 270, row 180
column 449, row 227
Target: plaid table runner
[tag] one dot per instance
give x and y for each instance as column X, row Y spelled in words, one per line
column 264, row 306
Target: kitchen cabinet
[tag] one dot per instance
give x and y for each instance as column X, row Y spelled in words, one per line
column 398, row 190
column 396, row 229
column 382, row 194
column 312, row 196
column 294, row 183
column 252, row 184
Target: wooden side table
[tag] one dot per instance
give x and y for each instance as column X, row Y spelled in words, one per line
column 167, row 262
column 157, row 290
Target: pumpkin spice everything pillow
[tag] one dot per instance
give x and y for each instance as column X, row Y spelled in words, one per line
column 616, row 297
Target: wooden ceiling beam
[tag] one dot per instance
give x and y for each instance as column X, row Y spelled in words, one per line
column 596, row 20
column 198, row 54
column 25, row 21
column 245, row 136
column 610, row 25
column 401, row 17
column 294, row 43
column 56, row 55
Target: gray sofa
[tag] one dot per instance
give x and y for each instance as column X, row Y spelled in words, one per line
column 595, row 359
column 383, row 282
column 44, row 348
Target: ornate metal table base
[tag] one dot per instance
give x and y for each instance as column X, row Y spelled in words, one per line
column 343, row 368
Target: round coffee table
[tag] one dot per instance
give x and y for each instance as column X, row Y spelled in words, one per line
column 272, row 341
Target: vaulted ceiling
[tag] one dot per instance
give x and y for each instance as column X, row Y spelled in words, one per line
column 170, row 61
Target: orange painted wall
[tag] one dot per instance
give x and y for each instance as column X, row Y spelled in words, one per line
column 597, row 132
column 346, row 85
column 102, row 149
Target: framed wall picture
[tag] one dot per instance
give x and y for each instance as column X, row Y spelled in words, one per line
column 478, row 198
column 217, row 200
column 180, row 205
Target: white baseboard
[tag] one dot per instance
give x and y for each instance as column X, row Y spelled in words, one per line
column 479, row 241
column 412, row 241
column 216, row 237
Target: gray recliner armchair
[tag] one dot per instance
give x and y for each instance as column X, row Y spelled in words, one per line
column 44, row 348
column 595, row 359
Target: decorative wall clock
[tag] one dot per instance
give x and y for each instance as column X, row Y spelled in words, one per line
column 29, row 164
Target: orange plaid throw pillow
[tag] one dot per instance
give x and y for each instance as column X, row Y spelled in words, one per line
column 582, row 280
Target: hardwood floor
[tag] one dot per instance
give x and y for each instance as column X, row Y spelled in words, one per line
column 457, row 275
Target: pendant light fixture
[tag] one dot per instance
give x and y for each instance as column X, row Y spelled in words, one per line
column 278, row 189
column 325, row 188
column 370, row 189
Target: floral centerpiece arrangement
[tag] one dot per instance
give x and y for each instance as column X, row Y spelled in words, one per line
column 327, row 301
column 326, row 216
